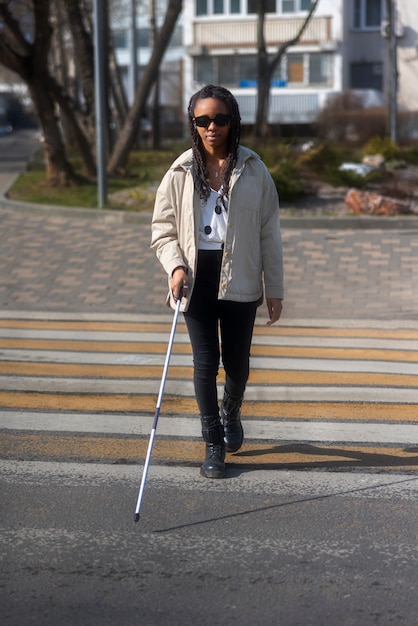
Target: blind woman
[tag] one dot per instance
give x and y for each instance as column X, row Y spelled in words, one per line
column 216, row 232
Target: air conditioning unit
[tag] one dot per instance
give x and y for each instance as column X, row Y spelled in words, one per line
column 196, row 51
column 385, row 29
column 331, row 45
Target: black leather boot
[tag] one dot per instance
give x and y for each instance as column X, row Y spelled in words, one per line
column 231, row 419
column 213, row 434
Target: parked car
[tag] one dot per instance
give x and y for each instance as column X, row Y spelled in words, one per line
column 12, row 114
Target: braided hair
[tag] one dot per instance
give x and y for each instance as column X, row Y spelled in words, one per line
column 199, row 159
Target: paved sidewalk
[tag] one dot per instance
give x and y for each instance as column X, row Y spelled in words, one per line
column 54, row 260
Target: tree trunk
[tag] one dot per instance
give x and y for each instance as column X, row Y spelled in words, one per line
column 266, row 68
column 156, row 138
column 128, row 134
column 59, row 171
column 117, row 89
column 73, row 126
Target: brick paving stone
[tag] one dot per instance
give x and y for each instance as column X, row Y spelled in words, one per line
column 51, row 262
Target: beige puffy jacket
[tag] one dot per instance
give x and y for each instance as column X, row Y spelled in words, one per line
column 252, row 249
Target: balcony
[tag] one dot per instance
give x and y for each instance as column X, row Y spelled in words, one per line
column 243, row 33
column 290, row 107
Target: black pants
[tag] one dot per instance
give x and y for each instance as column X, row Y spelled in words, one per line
column 207, row 315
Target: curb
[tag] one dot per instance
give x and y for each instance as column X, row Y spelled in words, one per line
column 130, row 217
column 135, row 217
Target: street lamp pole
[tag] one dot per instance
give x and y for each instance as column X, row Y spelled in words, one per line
column 393, row 69
column 99, row 83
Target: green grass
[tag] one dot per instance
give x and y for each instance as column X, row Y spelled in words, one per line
column 144, row 170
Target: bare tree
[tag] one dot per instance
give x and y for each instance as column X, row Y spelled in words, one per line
column 37, row 38
column 266, row 67
column 129, row 132
column 28, row 57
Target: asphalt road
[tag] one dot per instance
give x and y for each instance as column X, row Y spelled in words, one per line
column 276, row 548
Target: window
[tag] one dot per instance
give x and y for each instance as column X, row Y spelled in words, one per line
column 204, row 70
column 292, row 6
column 367, row 14
column 299, row 70
column 201, row 7
column 222, row 7
column 227, row 70
column 248, row 67
column 120, row 39
column 366, row 76
column 143, row 37
column 288, row 6
column 320, row 69
column 218, row 6
column 270, row 6
column 295, row 70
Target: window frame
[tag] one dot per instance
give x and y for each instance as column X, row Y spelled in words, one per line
column 359, row 16
column 207, row 8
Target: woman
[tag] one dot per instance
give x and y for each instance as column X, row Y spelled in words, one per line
column 216, row 232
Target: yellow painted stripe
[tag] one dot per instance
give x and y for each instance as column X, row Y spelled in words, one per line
column 174, row 405
column 352, row 354
column 407, row 356
column 131, row 327
column 257, row 376
column 259, row 329
column 133, row 449
column 137, row 347
column 312, row 331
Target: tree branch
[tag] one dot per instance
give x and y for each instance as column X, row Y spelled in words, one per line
column 291, row 42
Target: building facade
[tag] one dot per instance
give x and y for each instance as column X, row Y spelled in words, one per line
column 343, row 48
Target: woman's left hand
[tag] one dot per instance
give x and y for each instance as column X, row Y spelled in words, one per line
column 274, row 307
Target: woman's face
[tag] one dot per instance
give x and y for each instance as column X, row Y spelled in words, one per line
column 214, row 136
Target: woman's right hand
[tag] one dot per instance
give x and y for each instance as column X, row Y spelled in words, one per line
column 179, row 283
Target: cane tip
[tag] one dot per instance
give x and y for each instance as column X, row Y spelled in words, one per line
column 136, row 518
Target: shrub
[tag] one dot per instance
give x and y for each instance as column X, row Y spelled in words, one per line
column 346, row 178
column 346, row 119
column 287, row 178
column 324, row 157
column 382, row 145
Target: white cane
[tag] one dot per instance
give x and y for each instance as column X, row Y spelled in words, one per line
column 157, row 411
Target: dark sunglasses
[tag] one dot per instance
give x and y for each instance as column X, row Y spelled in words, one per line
column 221, row 119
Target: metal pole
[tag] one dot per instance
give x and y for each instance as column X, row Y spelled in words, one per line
column 393, row 70
column 99, row 83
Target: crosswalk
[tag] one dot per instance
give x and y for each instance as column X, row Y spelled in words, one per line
column 83, row 388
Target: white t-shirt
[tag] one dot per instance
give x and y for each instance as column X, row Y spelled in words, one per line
column 213, row 220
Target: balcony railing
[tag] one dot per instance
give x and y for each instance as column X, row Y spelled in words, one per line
column 227, row 34
column 285, row 108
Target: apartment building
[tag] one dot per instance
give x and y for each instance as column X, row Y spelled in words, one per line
column 343, row 48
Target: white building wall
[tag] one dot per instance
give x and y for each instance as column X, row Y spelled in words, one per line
column 408, row 55
column 289, row 104
column 188, row 84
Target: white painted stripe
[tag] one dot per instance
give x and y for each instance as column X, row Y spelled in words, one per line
column 268, row 363
column 185, row 360
column 273, row 393
column 98, row 358
column 275, row 430
column 261, row 340
column 168, row 317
